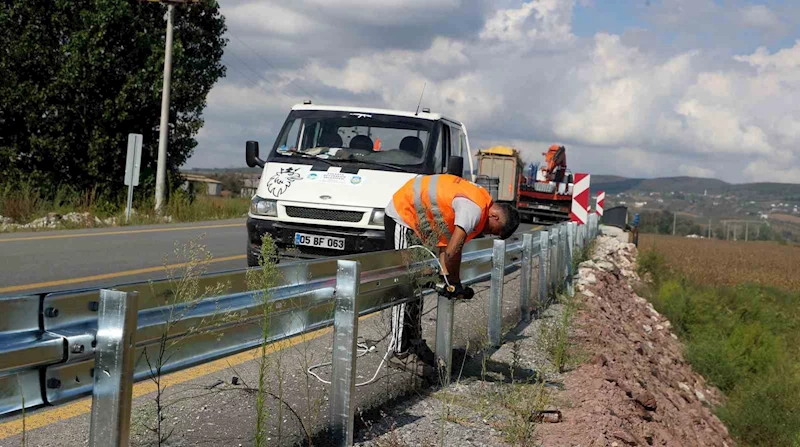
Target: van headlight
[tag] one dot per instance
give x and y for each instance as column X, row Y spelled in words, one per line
column 264, row 207
column 377, row 217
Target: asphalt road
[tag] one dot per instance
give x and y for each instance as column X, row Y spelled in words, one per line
column 73, row 259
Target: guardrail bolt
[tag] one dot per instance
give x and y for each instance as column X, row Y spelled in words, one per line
column 53, row 383
column 77, row 348
column 94, row 306
column 51, row 312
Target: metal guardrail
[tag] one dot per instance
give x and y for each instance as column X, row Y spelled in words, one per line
column 58, row 347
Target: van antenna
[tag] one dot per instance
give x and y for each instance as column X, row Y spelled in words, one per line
column 420, row 98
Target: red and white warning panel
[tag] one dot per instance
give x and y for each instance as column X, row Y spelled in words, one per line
column 580, row 199
column 601, row 203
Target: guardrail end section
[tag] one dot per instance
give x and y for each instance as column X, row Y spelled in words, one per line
column 343, row 374
column 113, row 377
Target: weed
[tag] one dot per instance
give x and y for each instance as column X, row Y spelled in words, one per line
column 262, row 280
column 524, row 402
column 554, row 335
column 185, row 294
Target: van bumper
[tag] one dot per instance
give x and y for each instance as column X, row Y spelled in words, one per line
column 357, row 240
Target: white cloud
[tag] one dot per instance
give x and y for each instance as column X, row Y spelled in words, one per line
column 765, row 171
column 520, row 75
column 536, row 20
column 696, row 171
column 760, row 16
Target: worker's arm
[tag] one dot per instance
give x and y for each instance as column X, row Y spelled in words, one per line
column 450, row 256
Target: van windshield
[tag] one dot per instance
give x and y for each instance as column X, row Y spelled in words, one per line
column 385, row 141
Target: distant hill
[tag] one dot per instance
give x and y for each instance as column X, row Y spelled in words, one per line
column 612, row 184
column 615, row 184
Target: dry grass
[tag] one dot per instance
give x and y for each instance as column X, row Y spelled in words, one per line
column 715, row 262
column 785, row 218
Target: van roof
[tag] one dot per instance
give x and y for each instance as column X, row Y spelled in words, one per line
column 421, row 115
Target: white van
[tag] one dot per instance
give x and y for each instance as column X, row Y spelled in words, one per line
column 332, row 170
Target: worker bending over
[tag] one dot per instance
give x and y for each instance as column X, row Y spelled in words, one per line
column 444, row 211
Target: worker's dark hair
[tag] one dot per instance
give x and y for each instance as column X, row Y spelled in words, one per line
column 511, row 220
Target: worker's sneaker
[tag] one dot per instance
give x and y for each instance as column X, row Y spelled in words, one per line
column 409, row 361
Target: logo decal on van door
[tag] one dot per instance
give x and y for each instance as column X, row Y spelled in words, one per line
column 281, row 181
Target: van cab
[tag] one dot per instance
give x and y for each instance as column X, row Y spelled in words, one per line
column 332, row 170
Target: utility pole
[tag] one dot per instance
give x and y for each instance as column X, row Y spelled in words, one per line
column 709, row 229
column 161, row 170
column 734, row 232
column 674, row 222
column 746, row 230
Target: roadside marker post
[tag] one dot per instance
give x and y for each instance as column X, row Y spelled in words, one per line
column 133, row 163
column 600, row 204
column 580, row 199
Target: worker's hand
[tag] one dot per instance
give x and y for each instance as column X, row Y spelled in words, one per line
column 458, row 292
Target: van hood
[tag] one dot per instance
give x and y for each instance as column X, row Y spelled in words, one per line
column 298, row 183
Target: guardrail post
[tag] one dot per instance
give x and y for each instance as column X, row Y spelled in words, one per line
column 566, row 255
column 345, row 333
column 525, row 278
column 112, row 394
column 554, row 262
column 571, row 250
column 444, row 335
column 496, row 295
column 544, row 255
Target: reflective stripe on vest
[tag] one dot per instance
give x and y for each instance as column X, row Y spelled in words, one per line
column 440, row 226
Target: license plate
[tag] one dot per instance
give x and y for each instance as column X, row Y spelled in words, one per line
column 311, row 240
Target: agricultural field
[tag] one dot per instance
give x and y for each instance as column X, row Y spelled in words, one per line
column 736, row 306
column 715, row 263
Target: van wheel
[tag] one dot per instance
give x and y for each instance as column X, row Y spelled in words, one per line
column 252, row 258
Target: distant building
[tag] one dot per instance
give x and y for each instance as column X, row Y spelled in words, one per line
column 763, row 216
column 639, row 204
column 249, row 187
column 202, row 184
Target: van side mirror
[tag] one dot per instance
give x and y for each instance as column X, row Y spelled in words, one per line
column 251, row 155
column 455, row 166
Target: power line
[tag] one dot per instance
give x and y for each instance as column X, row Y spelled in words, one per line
column 277, row 89
column 291, row 81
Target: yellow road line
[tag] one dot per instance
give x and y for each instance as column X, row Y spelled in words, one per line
column 83, row 406
column 62, row 282
column 114, row 233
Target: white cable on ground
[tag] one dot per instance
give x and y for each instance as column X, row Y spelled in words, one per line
column 363, row 349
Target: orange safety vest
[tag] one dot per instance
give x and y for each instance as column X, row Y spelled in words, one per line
column 434, row 195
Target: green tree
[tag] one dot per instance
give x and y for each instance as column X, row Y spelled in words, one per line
column 79, row 75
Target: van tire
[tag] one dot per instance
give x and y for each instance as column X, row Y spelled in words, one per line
column 252, row 259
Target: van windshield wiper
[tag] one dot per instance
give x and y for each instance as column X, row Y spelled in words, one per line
column 310, row 157
column 352, row 157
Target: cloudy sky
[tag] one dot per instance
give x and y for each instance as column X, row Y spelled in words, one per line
column 632, row 87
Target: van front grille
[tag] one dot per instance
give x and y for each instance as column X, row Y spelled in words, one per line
column 323, row 214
